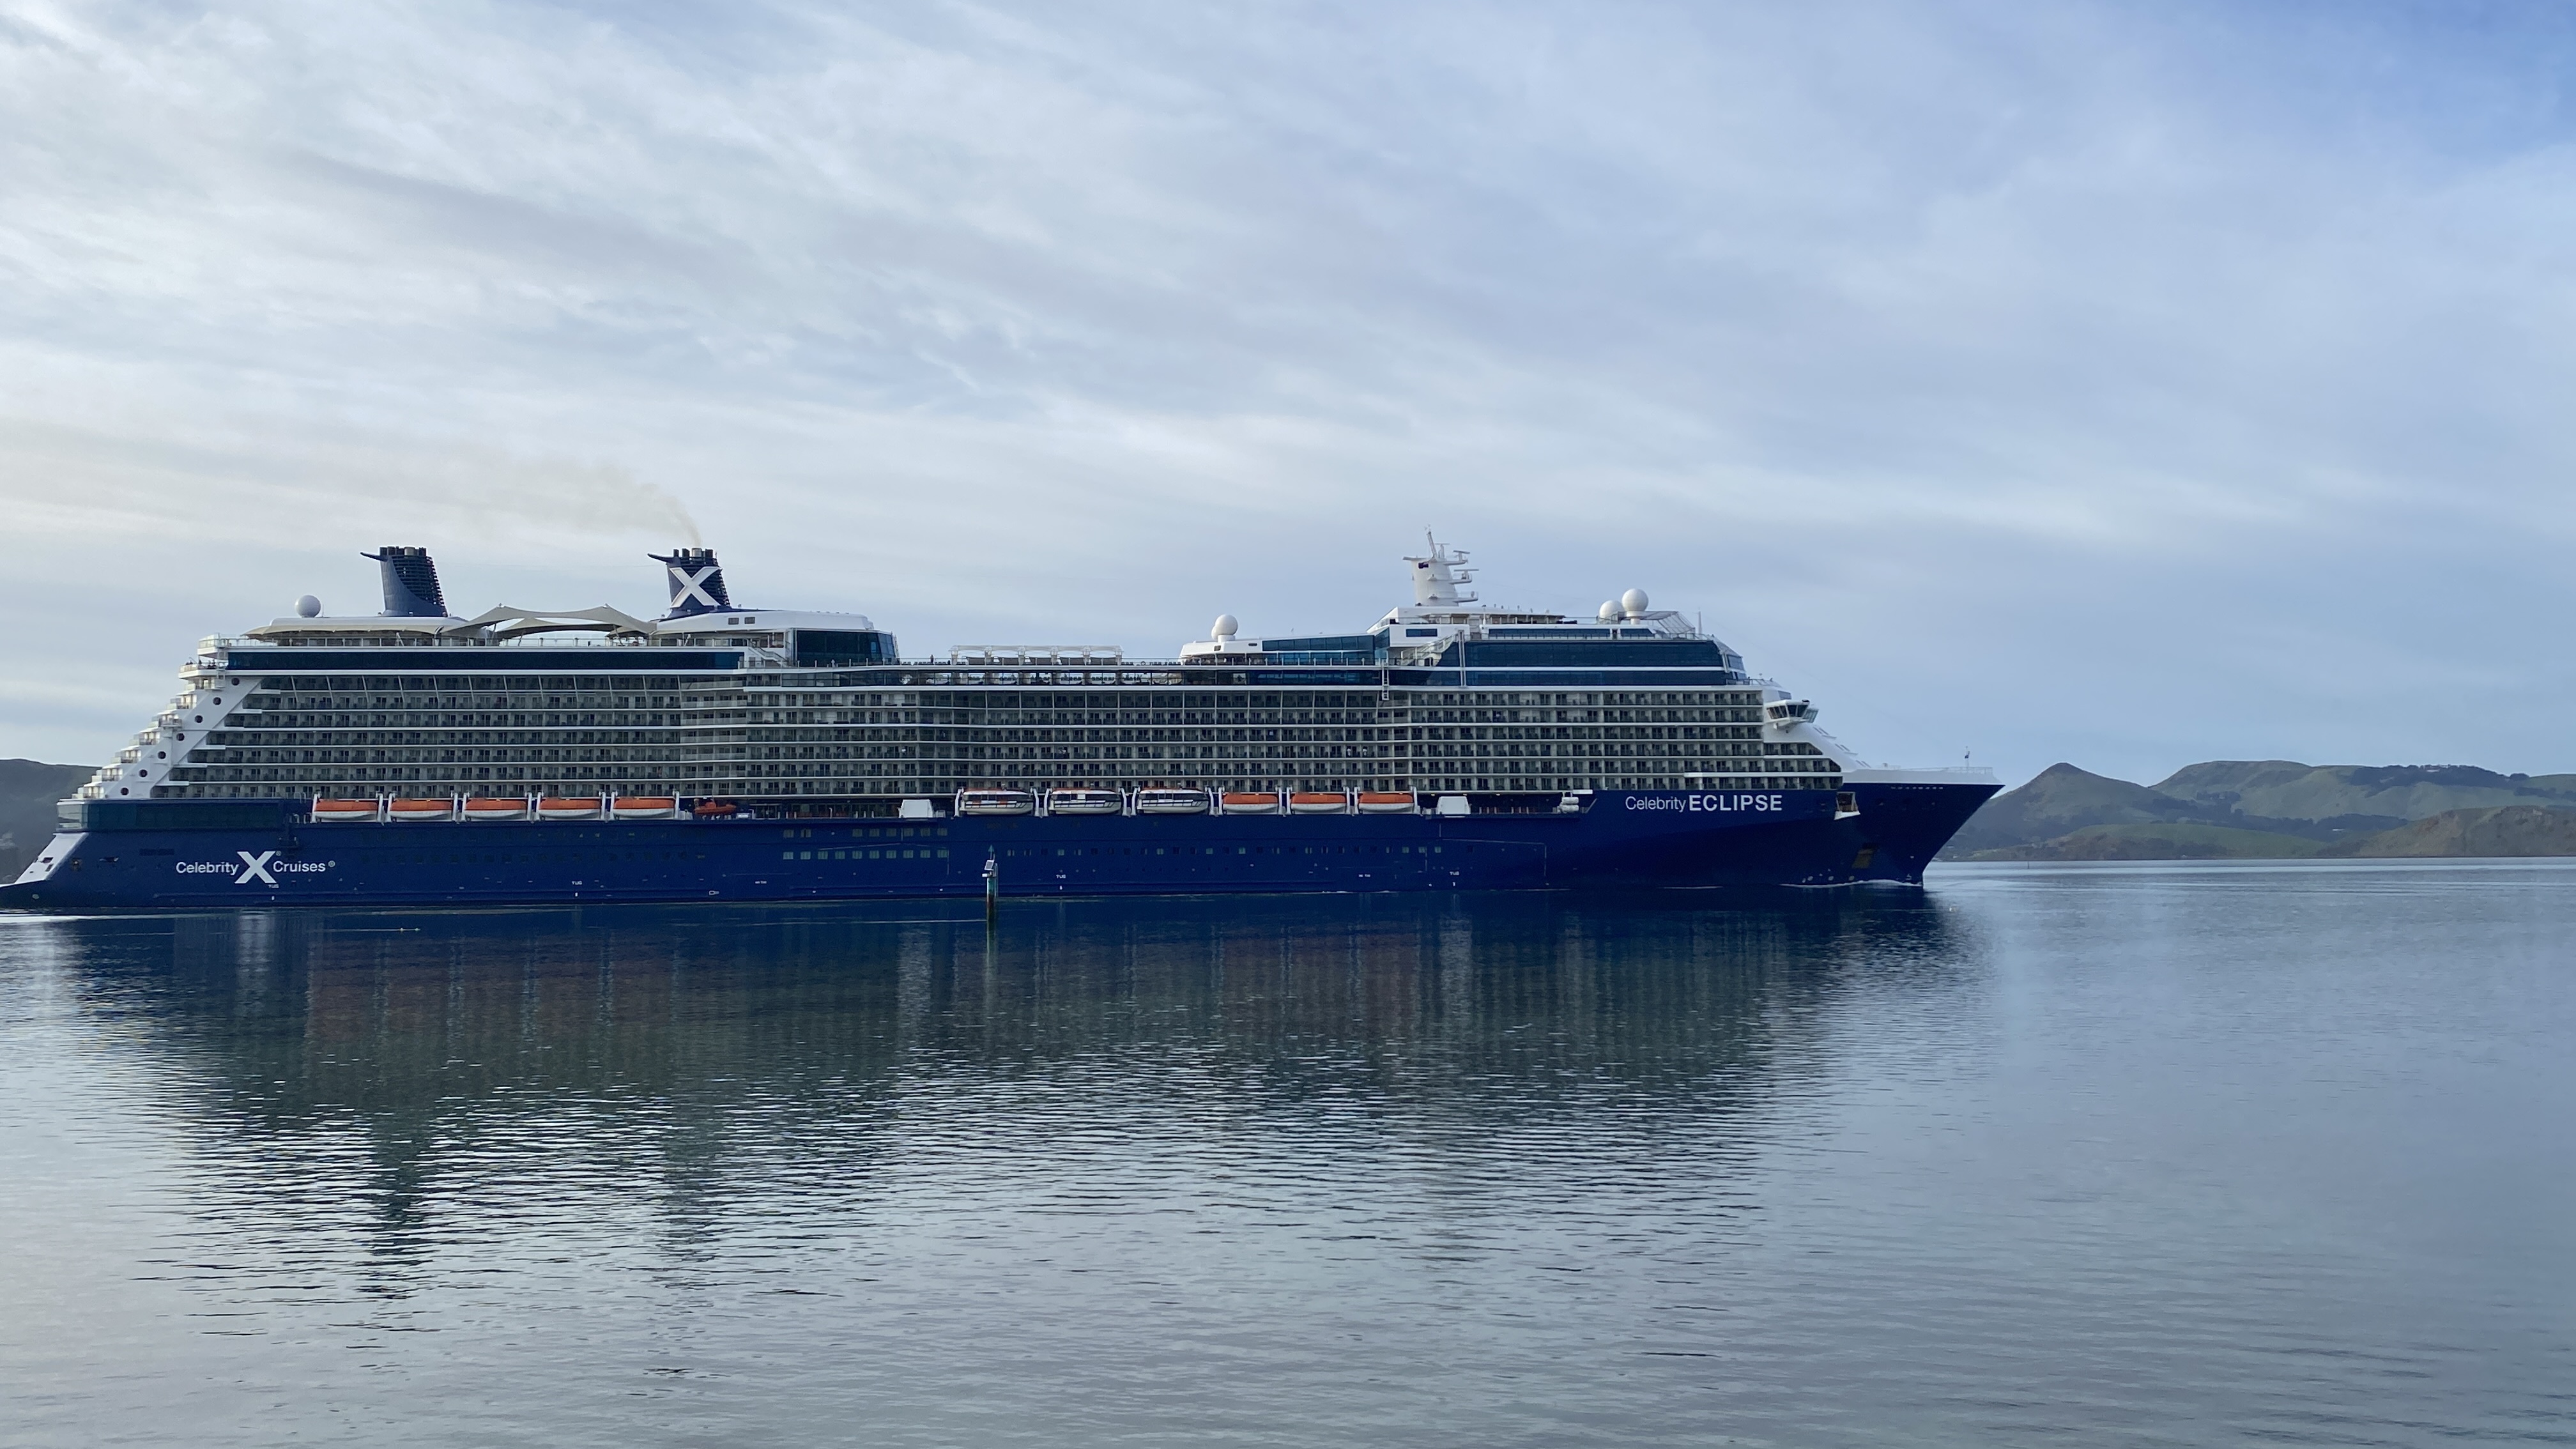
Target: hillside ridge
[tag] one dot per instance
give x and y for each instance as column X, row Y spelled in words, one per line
column 2236, row 809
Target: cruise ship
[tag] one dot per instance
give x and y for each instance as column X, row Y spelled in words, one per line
column 727, row 752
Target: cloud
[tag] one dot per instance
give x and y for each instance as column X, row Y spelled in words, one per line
column 2025, row 377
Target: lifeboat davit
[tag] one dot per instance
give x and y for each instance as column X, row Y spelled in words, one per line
column 1085, row 802
column 421, row 809
column 494, row 808
column 644, row 807
column 1319, row 802
column 1386, row 802
column 344, row 810
column 996, row 802
column 1239, row 802
column 1171, row 802
column 559, row 807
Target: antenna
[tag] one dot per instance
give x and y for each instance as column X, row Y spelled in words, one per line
column 1437, row 577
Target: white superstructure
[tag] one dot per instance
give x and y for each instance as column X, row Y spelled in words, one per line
column 1444, row 694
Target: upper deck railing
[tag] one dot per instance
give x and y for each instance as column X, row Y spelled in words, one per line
column 983, row 665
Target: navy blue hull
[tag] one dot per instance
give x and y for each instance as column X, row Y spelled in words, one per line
column 1624, row 840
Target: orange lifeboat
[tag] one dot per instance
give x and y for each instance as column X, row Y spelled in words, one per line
column 343, row 810
column 1319, row 802
column 574, row 807
column 645, row 807
column 421, row 809
column 1244, row 802
column 1386, row 802
column 486, row 807
column 711, row 809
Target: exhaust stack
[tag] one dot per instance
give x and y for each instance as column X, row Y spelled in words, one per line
column 697, row 582
column 411, row 583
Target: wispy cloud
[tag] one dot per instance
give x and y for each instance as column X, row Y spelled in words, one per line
column 2023, row 377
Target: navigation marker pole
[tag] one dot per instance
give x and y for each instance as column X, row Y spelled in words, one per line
column 992, row 890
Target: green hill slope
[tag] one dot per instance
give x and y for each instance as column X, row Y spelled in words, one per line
column 2063, row 799
column 2505, row 830
column 2286, row 789
column 2265, row 803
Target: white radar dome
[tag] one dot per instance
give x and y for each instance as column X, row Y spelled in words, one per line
column 1634, row 601
column 309, row 607
column 1610, row 612
column 1224, row 627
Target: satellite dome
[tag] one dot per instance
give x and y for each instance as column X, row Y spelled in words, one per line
column 308, row 607
column 1610, row 612
column 1224, row 627
column 1634, row 602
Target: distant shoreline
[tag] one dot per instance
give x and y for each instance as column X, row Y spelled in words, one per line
column 2276, row 810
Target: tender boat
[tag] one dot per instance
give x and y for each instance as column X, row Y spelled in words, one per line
column 996, row 802
column 578, row 807
column 486, row 808
column 1245, row 802
column 327, row 810
column 1171, row 802
column 1318, row 802
column 420, row 809
column 1085, row 802
column 1386, row 802
column 644, row 807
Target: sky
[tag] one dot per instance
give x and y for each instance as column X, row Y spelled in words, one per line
column 2123, row 384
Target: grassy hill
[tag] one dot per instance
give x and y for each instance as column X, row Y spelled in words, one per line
column 28, row 790
column 2495, row 830
column 2063, row 799
column 2285, row 789
column 2235, row 809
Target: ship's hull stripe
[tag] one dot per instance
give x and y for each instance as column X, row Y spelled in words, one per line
column 1625, row 840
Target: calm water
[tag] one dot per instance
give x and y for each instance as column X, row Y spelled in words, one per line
column 2118, row 1155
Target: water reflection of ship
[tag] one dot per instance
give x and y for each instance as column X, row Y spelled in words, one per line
column 353, row 1071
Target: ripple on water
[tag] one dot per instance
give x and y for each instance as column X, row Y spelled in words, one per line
column 2125, row 1155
